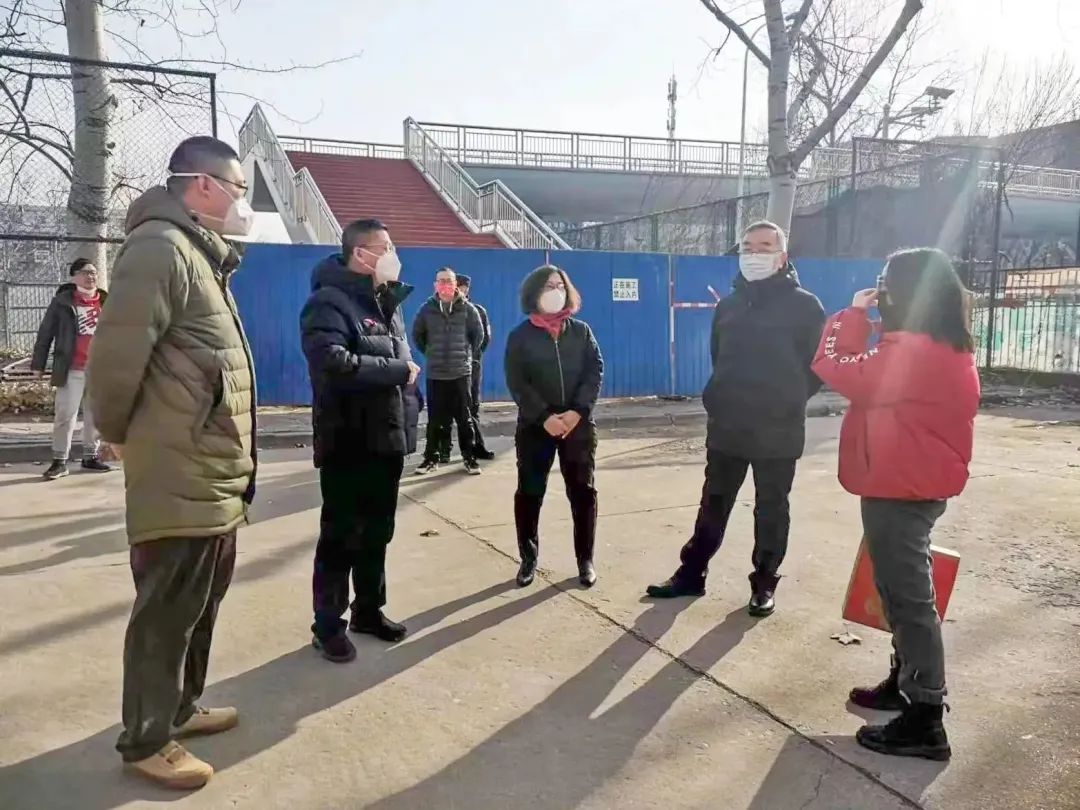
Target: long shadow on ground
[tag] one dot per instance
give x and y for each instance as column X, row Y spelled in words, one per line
column 558, row 754
column 273, row 698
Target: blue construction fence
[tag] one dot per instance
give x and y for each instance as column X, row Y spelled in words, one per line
column 651, row 313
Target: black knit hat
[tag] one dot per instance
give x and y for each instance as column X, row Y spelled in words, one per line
column 463, row 280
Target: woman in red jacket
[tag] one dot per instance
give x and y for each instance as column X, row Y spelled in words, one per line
column 905, row 446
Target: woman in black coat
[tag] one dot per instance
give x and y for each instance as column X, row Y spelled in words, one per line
column 554, row 370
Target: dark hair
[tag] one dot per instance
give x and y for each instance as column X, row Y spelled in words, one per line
column 355, row 232
column 463, row 280
column 533, row 286
column 446, row 269
column 923, row 293
column 78, row 265
column 201, row 154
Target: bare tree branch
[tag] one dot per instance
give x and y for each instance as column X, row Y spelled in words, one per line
column 807, row 84
column 737, row 30
column 907, row 14
column 797, row 21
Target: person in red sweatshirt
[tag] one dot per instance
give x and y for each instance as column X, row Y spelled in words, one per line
column 905, row 446
column 67, row 330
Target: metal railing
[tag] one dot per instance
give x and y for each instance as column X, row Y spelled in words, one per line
column 554, row 149
column 1021, row 180
column 334, row 146
column 301, row 199
column 490, row 208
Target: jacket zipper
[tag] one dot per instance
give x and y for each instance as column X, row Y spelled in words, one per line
column 223, row 286
column 562, row 382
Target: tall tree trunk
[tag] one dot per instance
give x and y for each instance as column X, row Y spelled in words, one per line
column 782, row 199
column 781, row 171
column 91, row 177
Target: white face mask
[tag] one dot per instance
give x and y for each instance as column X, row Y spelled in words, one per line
column 238, row 219
column 387, row 267
column 552, row 301
column 758, row 266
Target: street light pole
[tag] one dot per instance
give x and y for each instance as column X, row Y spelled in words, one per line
column 741, row 182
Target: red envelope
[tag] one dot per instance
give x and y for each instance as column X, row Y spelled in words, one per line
column 862, row 604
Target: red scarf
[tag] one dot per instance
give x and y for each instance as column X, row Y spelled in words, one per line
column 553, row 322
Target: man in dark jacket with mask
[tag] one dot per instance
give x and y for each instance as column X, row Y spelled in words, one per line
column 764, row 336
column 449, row 333
column 362, row 374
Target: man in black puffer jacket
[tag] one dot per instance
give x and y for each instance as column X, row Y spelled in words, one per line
column 449, row 333
column 764, row 337
column 364, row 418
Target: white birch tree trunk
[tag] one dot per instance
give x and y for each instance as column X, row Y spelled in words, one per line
column 781, row 171
column 94, row 103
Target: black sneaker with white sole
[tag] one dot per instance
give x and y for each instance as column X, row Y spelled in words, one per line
column 58, row 469
column 427, row 466
column 471, row 467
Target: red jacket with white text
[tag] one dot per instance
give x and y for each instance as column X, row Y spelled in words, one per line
column 909, row 431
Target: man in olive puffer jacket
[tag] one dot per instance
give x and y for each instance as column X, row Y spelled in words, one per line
column 449, row 333
column 172, row 382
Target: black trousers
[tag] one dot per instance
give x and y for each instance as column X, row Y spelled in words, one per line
column 724, row 476
column 536, row 451
column 179, row 584
column 446, row 443
column 449, row 401
column 357, row 523
column 474, row 402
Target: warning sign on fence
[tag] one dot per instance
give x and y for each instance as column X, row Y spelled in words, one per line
column 624, row 289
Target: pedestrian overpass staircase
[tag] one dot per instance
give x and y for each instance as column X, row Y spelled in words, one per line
column 420, row 192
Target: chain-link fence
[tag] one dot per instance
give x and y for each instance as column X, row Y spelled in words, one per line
column 40, row 265
column 79, row 140
column 883, row 195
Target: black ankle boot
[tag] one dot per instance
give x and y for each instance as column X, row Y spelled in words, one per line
column 586, row 573
column 526, row 573
column 762, row 594
column 917, row 732
column 885, row 697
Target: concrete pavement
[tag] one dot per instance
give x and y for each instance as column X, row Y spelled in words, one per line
column 28, row 438
column 554, row 697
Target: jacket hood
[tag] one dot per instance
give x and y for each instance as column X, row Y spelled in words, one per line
column 158, row 204
column 333, row 272
column 457, row 301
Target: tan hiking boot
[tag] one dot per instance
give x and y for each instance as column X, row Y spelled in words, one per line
column 208, row 721
column 175, row 768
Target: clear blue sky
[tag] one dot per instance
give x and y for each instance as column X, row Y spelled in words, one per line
column 594, row 65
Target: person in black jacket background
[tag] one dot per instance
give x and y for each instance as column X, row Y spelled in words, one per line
column 554, row 371
column 464, row 284
column 448, row 331
column 364, row 420
column 764, row 337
